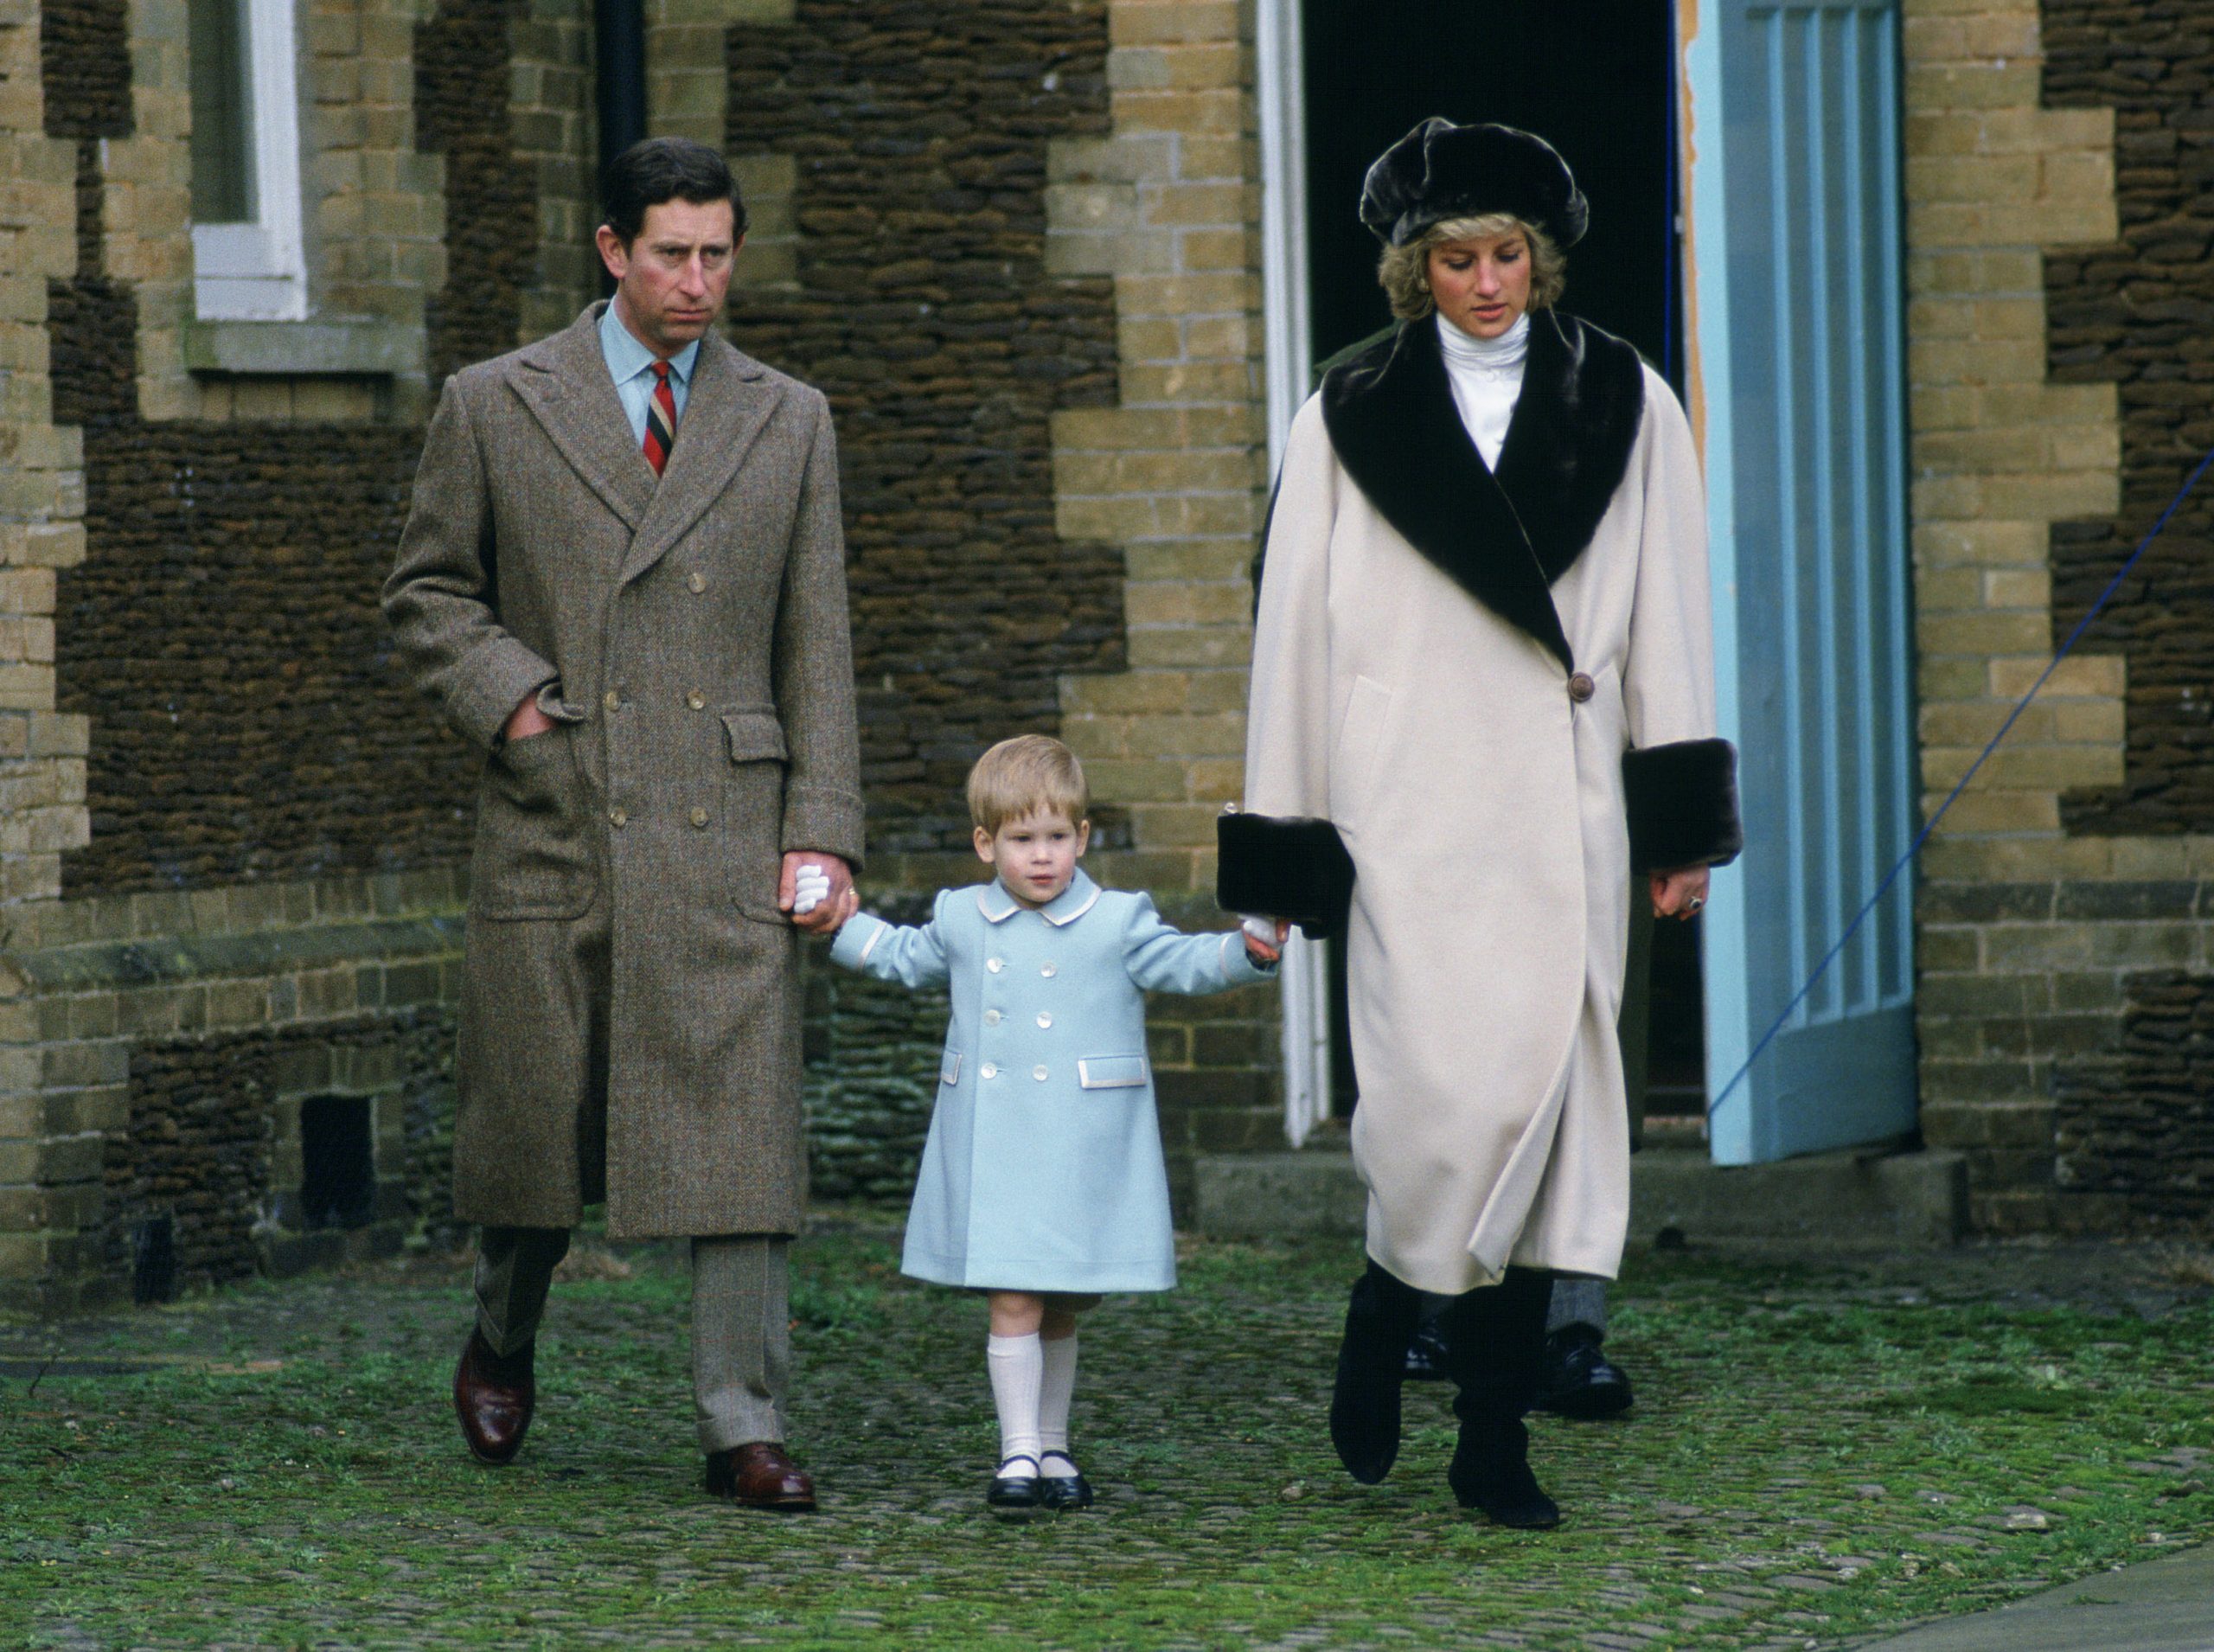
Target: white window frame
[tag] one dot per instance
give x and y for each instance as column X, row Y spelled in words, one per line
column 257, row 271
column 1288, row 355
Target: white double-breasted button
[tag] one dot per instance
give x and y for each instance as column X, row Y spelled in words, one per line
column 1044, row 1020
column 1039, row 1073
column 1048, row 971
column 989, row 1071
column 991, row 1018
column 995, row 964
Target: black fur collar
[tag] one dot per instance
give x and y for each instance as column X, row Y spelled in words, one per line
column 1505, row 538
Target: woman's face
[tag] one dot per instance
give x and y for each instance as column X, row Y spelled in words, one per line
column 1481, row 285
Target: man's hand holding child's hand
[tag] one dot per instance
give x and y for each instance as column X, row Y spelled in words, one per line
column 817, row 890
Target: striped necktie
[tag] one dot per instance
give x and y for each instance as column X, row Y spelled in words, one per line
column 661, row 420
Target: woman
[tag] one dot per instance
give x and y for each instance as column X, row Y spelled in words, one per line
column 1483, row 652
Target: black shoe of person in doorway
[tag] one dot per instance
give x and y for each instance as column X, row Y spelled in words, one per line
column 1491, row 1472
column 1426, row 1354
column 1578, row 1379
column 1380, row 1321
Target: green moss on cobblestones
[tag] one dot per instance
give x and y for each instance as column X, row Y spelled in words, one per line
column 1815, row 1455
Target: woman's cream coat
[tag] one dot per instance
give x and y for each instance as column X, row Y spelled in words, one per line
column 1483, row 802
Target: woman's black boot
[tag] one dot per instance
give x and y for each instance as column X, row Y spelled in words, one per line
column 1380, row 1321
column 1495, row 1338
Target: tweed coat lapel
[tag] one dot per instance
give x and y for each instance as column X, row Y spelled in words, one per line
column 563, row 380
column 1503, row 538
column 731, row 400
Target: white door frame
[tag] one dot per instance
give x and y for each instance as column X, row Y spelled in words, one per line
column 1288, row 358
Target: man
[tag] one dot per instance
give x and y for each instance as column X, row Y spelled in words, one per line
column 623, row 578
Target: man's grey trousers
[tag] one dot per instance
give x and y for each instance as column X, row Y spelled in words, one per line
column 742, row 1322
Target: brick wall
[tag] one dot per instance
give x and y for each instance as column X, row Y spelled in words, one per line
column 271, row 873
column 2038, row 939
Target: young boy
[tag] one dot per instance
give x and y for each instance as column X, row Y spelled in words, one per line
column 1042, row 1183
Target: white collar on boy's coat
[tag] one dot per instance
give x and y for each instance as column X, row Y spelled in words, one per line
column 997, row 905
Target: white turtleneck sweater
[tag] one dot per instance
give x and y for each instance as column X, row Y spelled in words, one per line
column 1487, row 379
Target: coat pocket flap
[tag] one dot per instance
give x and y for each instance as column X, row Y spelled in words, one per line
column 755, row 736
column 949, row 1067
column 1110, row 1071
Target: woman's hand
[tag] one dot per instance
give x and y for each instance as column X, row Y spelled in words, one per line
column 1679, row 893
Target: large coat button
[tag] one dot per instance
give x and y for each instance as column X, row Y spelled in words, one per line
column 1045, row 1019
column 995, row 964
column 699, row 817
column 991, row 1018
column 617, row 817
column 1580, row 687
column 1039, row 1073
column 1049, row 970
column 990, row 1072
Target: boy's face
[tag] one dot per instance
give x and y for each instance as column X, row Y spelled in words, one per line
column 1035, row 856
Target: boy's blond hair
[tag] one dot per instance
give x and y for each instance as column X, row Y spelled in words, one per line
column 1030, row 774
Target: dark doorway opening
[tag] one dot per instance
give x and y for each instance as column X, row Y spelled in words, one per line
column 337, row 1162
column 1597, row 79
column 153, row 1260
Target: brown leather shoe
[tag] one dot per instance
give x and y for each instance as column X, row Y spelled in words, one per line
column 494, row 1396
column 760, row 1475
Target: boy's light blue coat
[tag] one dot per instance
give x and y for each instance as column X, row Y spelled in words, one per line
column 1043, row 1169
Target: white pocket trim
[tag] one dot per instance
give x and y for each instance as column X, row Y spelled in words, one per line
column 949, row 1067
column 1111, row 1072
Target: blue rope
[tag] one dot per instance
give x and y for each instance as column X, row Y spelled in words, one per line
column 1907, row 860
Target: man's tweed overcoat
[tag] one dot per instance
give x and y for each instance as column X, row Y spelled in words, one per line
column 687, row 633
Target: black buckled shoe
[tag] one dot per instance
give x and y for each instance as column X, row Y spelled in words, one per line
column 1017, row 1492
column 1062, row 1492
column 1578, row 1381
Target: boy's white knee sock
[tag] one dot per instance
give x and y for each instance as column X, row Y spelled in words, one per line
column 1017, row 1365
column 1057, row 1385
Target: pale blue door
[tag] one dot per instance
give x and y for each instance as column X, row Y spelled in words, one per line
column 1796, row 293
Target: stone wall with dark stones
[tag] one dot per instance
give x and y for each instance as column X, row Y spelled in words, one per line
column 462, row 70
column 2133, row 1136
column 2140, row 314
column 223, row 631
column 204, row 1146
column 923, row 309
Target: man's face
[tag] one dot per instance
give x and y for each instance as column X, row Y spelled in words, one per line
column 671, row 280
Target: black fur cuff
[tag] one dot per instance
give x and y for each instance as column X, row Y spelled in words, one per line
column 1683, row 805
column 1288, row 866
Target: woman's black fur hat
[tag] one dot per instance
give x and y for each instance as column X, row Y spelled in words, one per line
column 1440, row 170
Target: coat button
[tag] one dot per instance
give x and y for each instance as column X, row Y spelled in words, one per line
column 612, row 700
column 617, row 818
column 699, row 817
column 989, row 1071
column 1039, row 1073
column 1579, row 688
column 1049, row 970
column 1045, row 1019
column 991, row 1018
column 697, row 580
column 697, row 701
column 995, row 964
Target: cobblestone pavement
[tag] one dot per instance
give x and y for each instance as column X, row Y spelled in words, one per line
column 1822, row 1452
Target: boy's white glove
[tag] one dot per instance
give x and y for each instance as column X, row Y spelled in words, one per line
column 1264, row 931
column 810, row 889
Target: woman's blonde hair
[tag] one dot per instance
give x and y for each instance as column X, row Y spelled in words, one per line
column 1403, row 272
column 1028, row 775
